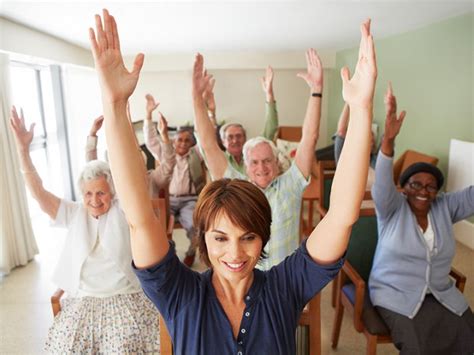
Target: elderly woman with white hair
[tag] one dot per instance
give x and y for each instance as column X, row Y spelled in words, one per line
column 106, row 310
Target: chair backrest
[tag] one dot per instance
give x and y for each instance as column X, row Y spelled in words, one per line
column 289, row 133
column 326, row 169
column 363, row 240
column 408, row 158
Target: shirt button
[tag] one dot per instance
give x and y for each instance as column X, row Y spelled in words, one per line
column 247, row 314
column 241, row 342
column 243, row 331
column 247, row 298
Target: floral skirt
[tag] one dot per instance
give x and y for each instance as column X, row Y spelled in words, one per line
column 121, row 324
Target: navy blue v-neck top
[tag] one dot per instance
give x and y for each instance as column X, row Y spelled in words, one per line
column 196, row 320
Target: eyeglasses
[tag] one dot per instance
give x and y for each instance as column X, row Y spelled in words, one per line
column 415, row 185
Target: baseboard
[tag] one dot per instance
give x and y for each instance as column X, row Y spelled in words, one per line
column 464, row 233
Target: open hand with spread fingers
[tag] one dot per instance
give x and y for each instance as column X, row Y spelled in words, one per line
column 359, row 90
column 314, row 73
column 117, row 82
column 393, row 124
column 23, row 136
column 202, row 81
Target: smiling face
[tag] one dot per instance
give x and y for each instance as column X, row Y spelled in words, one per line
column 97, row 196
column 183, row 142
column 234, row 140
column 233, row 252
column 261, row 165
column 421, row 190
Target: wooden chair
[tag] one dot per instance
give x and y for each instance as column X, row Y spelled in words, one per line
column 311, row 317
column 352, row 292
column 289, row 133
column 408, row 158
column 166, row 345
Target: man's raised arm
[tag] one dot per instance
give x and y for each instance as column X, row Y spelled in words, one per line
column 215, row 158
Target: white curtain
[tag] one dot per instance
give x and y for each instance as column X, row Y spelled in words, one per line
column 17, row 242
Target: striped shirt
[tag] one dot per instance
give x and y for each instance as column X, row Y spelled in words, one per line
column 284, row 195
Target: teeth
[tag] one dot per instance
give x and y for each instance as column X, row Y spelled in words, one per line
column 421, row 198
column 234, row 266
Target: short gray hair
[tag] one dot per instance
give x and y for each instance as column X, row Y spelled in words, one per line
column 94, row 170
column 253, row 142
column 224, row 128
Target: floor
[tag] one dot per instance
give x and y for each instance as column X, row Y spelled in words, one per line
column 25, row 310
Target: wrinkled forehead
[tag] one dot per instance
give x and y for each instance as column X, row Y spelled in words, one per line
column 183, row 135
column 262, row 151
column 97, row 184
column 234, row 130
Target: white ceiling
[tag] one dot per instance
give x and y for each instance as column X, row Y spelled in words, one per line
column 164, row 27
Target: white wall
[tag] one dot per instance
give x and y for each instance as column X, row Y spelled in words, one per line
column 17, row 38
column 239, row 97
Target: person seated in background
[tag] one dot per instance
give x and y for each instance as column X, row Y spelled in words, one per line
column 188, row 177
column 233, row 135
column 284, row 192
column 409, row 283
column 158, row 178
column 232, row 307
column 106, row 311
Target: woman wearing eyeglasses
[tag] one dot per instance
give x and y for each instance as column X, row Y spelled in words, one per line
column 409, row 282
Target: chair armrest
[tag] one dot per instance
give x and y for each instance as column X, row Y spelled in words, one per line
column 459, row 277
column 359, row 284
column 56, row 301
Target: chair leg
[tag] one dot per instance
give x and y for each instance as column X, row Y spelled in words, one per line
column 315, row 326
column 335, row 289
column 336, row 330
column 371, row 344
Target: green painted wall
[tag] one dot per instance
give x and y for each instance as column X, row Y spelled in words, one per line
column 432, row 74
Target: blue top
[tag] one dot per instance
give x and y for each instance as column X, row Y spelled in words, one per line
column 196, row 320
column 404, row 267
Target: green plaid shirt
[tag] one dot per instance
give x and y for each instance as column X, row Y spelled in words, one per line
column 284, row 195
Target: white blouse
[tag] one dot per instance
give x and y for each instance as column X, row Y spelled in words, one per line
column 96, row 259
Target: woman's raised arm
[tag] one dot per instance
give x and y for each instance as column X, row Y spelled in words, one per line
column 49, row 203
column 148, row 237
column 329, row 239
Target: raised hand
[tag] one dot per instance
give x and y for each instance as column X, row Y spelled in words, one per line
column 267, row 84
column 151, row 105
column 162, row 125
column 314, row 72
column 201, row 79
column 23, row 136
column 359, row 90
column 96, row 125
column 208, row 96
column 116, row 81
column 393, row 123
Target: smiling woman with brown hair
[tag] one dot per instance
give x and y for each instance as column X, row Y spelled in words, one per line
column 233, row 307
